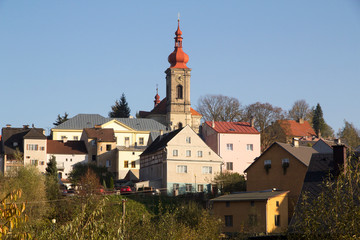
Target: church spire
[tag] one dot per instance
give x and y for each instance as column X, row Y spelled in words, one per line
column 178, row 58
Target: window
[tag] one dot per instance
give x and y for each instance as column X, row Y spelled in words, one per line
column 42, row 163
column 66, row 159
column 179, row 90
column 75, row 138
column 206, row 170
column 63, row 137
column 277, row 220
column 108, row 147
column 101, row 149
column 188, row 153
column 200, row 188
column 252, row 203
column 199, row 154
column 42, row 148
column 228, row 220
column 133, row 164
column 32, row 147
column 229, row 166
column 180, row 125
column 188, row 139
column 250, row 147
column 93, row 157
column 108, row 163
column 229, row 146
column 93, row 142
column 181, row 169
column 277, row 203
column 252, row 220
column 188, row 187
column 267, row 162
column 15, row 144
column 175, row 152
column 126, row 164
column 34, row 162
column 227, row 203
column 176, row 186
column 141, row 141
column 127, row 141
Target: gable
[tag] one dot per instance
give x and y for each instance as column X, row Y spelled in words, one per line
column 117, row 126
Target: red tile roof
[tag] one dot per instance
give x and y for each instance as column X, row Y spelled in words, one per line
column 161, row 109
column 296, row 129
column 233, row 127
column 69, row 147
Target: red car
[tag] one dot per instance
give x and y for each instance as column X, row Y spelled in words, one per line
column 125, row 190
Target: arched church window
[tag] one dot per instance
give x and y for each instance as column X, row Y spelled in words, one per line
column 180, row 125
column 179, row 90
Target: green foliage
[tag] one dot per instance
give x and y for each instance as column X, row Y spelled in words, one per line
column 318, row 120
column 51, row 169
column 61, row 119
column 79, row 170
column 230, row 182
column 32, row 184
column 350, row 134
column 120, row 109
column 335, row 212
column 111, row 183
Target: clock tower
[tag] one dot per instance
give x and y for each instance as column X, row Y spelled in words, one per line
column 178, row 86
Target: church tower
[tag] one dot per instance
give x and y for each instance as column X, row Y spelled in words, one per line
column 178, row 86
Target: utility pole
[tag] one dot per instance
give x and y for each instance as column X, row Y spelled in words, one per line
column 123, row 213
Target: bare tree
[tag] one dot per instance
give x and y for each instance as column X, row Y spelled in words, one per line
column 264, row 113
column 219, row 108
column 300, row 110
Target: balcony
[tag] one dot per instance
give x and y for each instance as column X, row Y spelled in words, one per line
column 60, row 166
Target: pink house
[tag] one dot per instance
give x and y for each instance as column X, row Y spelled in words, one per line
column 238, row 143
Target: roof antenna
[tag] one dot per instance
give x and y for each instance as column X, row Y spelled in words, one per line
column 157, row 88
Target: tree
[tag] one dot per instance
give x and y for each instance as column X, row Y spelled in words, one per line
column 264, row 113
column 274, row 133
column 120, row 109
column 300, row 110
column 334, row 213
column 318, row 120
column 51, row 169
column 61, row 119
column 52, row 183
column 79, row 170
column 230, row 182
column 350, row 134
column 219, row 108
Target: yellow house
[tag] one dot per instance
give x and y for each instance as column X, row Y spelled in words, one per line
column 253, row 212
column 281, row 166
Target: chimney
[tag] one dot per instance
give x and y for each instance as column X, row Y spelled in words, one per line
column 65, row 139
column 301, row 121
column 252, row 122
column 337, row 141
column 8, row 125
column 97, row 126
column 26, row 126
column 213, row 124
column 339, row 156
column 295, row 142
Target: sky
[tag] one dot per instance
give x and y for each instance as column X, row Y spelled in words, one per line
column 60, row 56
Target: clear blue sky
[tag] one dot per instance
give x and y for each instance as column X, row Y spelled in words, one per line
column 79, row 56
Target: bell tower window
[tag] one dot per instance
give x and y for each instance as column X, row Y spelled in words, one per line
column 179, row 90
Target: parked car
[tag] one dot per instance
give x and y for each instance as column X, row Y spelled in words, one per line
column 125, row 190
column 149, row 191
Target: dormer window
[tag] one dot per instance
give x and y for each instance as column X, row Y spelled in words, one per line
column 15, row 144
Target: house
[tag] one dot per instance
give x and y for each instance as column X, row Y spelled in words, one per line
column 23, row 146
column 253, row 212
column 282, row 166
column 67, row 154
column 296, row 129
column 238, row 143
column 101, row 147
column 175, row 111
column 181, row 162
column 322, row 167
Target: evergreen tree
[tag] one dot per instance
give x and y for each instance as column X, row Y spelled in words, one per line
column 61, row 119
column 350, row 134
column 120, row 109
column 51, row 169
column 318, row 120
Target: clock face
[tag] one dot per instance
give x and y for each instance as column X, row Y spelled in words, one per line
column 179, row 78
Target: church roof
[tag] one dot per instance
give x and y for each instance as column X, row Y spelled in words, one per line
column 233, row 127
column 178, row 58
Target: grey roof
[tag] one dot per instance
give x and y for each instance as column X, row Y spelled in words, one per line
column 161, row 142
column 301, row 153
column 82, row 121
column 249, row 196
column 35, row 133
column 140, row 124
